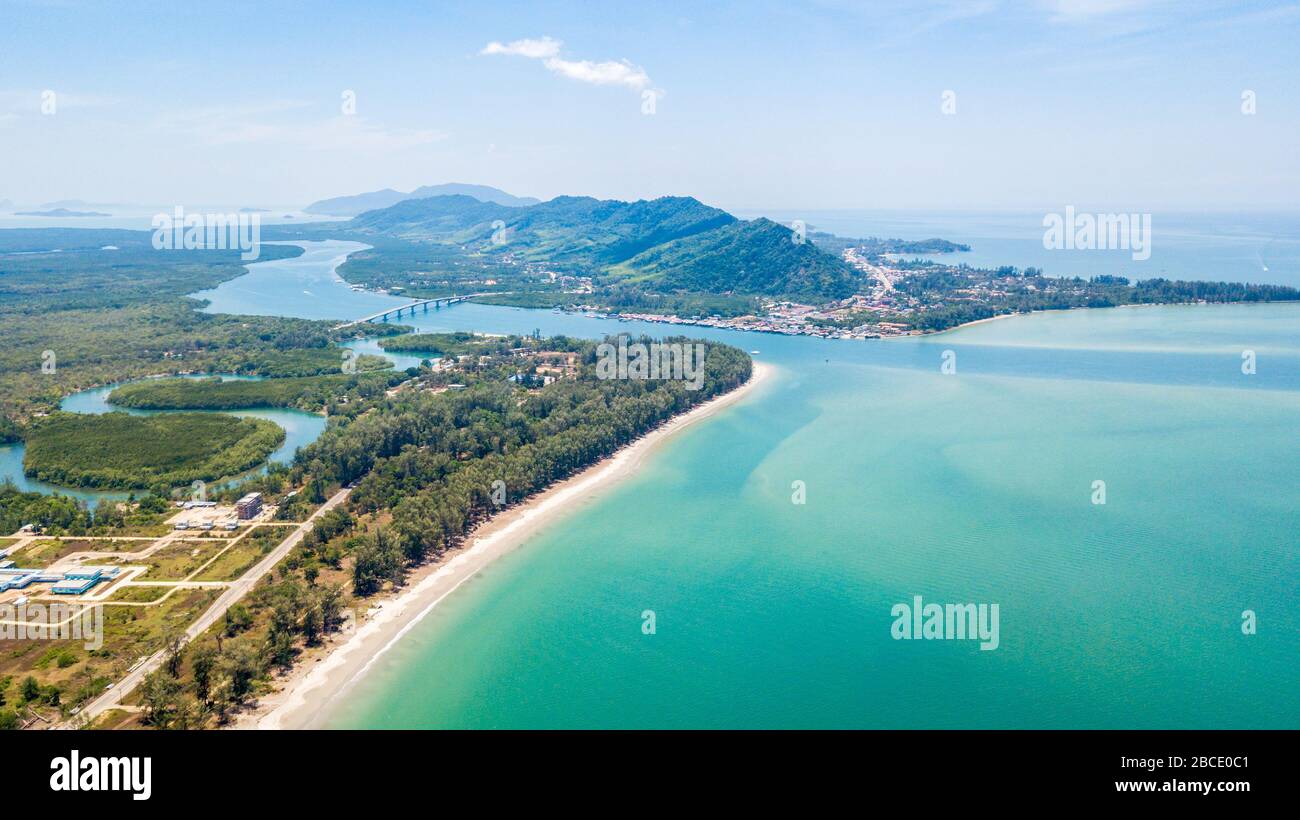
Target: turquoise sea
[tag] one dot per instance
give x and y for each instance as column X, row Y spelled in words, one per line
column 975, row 486
column 970, row 487
column 1259, row 247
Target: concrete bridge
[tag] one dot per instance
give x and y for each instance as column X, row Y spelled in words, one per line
column 396, row 312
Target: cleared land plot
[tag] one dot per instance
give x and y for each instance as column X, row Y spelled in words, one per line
column 241, row 557
column 178, row 560
column 130, row 632
column 139, row 595
column 40, row 554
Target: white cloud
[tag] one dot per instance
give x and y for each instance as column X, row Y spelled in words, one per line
column 547, row 49
column 610, row 72
column 535, row 49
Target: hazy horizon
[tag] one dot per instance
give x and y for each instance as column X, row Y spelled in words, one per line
column 1114, row 105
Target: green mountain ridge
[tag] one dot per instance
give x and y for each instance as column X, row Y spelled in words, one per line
column 454, row 219
column 758, row 256
column 672, row 242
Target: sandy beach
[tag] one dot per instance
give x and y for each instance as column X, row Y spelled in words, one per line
column 305, row 695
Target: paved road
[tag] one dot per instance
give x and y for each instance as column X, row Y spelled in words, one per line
column 237, row 590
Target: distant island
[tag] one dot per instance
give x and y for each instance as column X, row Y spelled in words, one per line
column 360, row 203
column 81, row 204
column 61, row 212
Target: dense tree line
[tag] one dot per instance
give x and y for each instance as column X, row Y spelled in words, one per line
column 116, row 450
column 433, row 460
column 946, row 305
column 311, row 393
column 458, row 343
column 63, row 515
column 205, row 681
column 323, row 360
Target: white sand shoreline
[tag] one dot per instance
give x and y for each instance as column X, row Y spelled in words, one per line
column 308, row 692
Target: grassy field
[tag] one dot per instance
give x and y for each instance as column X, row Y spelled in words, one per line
column 176, row 561
column 139, row 595
column 70, row 674
column 115, row 450
column 115, row 719
column 239, row 558
column 40, row 554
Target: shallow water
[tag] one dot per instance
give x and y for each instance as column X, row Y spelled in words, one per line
column 972, row 487
column 1230, row 247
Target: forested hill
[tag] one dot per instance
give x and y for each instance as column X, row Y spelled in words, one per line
column 445, row 219
column 568, row 229
column 758, row 256
column 674, row 242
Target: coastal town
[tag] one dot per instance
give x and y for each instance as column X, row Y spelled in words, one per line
column 918, row 296
column 882, row 311
column 786, row 318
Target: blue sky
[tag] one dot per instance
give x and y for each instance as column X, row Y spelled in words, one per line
column 1108, row 104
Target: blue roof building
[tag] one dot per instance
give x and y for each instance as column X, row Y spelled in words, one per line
column 73, row 586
